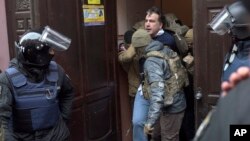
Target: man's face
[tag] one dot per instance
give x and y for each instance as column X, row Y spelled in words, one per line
column 152, row 24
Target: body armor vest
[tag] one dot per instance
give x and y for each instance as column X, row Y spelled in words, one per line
column 177, row 80
column 35, row 104
column 237, row 63
column 238, row 57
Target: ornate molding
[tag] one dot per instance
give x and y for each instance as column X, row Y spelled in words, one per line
column 23, row 5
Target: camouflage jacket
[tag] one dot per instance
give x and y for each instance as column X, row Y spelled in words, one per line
column 129, row 62
column 157, row 71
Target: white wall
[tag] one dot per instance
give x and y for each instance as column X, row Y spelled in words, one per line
column 131, row 11
column 4, row 46
column 121, row 16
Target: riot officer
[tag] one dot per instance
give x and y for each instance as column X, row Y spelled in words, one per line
column 233, row 19
column 230, row 109
column 37, row 95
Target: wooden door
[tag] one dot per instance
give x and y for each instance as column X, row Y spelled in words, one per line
column 89, row 62
column 209, row 52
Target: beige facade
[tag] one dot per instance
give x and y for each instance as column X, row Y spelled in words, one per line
column 4, row 50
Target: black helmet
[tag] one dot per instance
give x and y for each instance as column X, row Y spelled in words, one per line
column 36, row 46
column 32, row 51
column 241, row 28
column 233, row 19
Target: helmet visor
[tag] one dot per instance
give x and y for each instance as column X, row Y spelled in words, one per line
column 54, row 39
column 221, row 23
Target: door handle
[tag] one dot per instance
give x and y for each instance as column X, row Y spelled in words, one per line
column 198, row 94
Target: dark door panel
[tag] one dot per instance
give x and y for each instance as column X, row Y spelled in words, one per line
column 100, row 116
column 77, row 124
column 96, row 59
column 90, row 61
column 209, row 52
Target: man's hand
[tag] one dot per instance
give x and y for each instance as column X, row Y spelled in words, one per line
column 241, row 74
column 148, row 129
column 121, row 47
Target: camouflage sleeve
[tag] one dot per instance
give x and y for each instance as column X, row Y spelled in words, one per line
column 155, row 69
column 127, row 55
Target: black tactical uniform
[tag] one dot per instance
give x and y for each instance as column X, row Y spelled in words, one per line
column 33, row 67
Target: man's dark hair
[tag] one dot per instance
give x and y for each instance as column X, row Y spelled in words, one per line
column 128, row 36
column 157, row 11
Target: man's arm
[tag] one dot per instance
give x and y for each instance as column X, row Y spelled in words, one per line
column 5, row 108
column 127, row 55
column 66, row 95
column 155, row 71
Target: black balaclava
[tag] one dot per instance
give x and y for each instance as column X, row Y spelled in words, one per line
column 33, row 55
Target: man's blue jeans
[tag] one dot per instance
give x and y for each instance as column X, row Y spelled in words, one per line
column 140, row 113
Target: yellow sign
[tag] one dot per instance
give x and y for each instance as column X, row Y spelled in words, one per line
column 93, row 15
column 94, row 2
